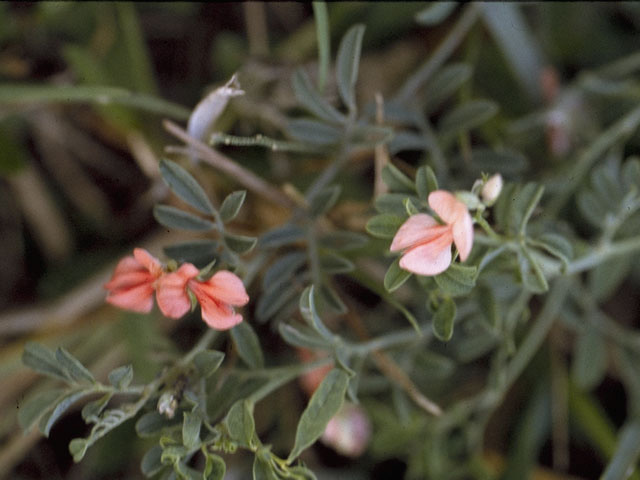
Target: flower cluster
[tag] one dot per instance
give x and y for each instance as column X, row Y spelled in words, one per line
column 136, row 278
column 426, row 244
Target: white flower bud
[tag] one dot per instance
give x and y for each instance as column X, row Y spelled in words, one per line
column 491, row 190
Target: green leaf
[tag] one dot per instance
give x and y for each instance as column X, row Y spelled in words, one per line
column 467, row 116
column 175, row 218
column 457, row 280
column 347, row 63
column 589, row 365
column 627, row 452
column 323, row 405
column 248, row 345
column 532, row 277
column 324, row 200
column 406, row 140
column 19, row 93
column 526, row 200
column 277, row 295
column 605, row 279
column 310, row 314
column 343, row 240
column 314, row 132
column 285, row 235
column 43, row 360
column 311, row 99
column 121, row 377
column 556, row 245
column 240, row 424
column 240, row 243
column 443, row 320
column 384, row 226
column 435, row 13
column 393, row 203
column 368, row 136
column 92, row 410
column 185, row 186
column 207, row 362
column 329, row 300
column 185, row 472
column 445, row 83
column 151, row 423
column 426, row 182
column 74, row 368
column 395, row 276
column 191, row 423
column 77, row 448
column 334, row 264
column 396, row 180
column 47, row 421
column 214, row 468
column 283, row 268
column 36, row 406
column 151, row 464
column 300, row 336
column 198, row 252
column 231, row 205
column 263, row 469
column 300, row 472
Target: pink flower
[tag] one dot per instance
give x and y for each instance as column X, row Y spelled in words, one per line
column 133, row 282
column 217, row 296
column 426, row 244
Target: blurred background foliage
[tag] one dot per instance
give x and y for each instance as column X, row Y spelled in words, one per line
column 78, row 179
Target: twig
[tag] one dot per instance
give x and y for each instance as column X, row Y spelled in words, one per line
column 220, row 162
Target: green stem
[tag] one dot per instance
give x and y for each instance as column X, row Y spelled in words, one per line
column 538, row 331
column 604, row 253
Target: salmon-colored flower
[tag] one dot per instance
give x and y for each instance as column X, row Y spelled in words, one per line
column 426, row 244
column 133, row 282
column 217, row 296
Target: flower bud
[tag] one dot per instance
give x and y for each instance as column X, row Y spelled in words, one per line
column 491, row 190
column 348, row 432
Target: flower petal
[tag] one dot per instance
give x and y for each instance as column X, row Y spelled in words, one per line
column 419, row 228
column 218, row 315
column 227, row 288
column 428, row 259
column 149, row 262
column 125, row 280
column 448, row 207
column 138, row 299
column 463, row 235
column 172, row 291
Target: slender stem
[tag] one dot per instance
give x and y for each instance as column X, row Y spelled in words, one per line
column 604, row 253
column 256, row 23
column 538, row 331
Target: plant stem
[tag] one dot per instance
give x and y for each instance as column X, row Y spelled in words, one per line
column 604, row 253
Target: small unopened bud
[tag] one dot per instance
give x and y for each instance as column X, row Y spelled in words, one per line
column 491, row 190
column 167, row 405
column 348, row 432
